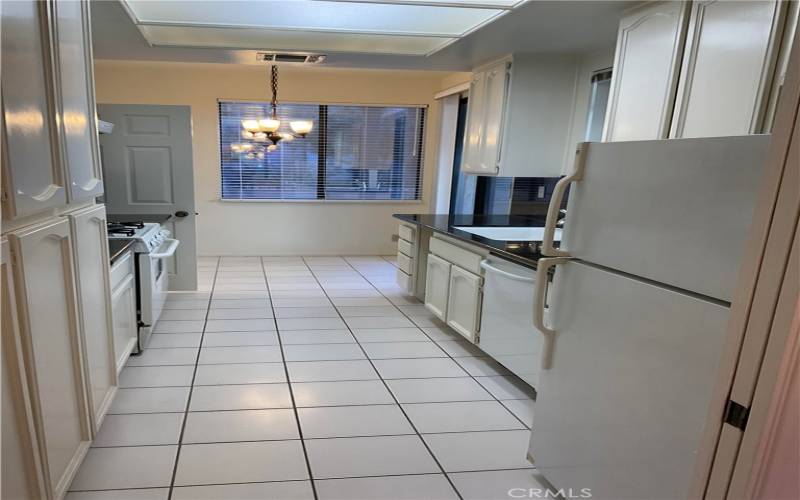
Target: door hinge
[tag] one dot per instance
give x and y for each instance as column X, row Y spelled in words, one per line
column 736, row 414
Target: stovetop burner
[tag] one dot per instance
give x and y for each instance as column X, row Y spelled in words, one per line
column 126, row 228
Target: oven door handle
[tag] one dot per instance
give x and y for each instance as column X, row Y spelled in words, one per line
column 169, row 252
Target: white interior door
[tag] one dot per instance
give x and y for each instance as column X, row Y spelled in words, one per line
column 623, row 406
column 148, row 168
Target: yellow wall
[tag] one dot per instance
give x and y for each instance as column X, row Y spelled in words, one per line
column 276, row 228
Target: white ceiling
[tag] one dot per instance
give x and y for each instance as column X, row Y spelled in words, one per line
column 404, row 34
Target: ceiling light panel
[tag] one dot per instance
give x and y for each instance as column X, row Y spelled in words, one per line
column 259, row 38
column 448, row 18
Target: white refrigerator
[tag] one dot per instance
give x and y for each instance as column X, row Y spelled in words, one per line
column 637, row 310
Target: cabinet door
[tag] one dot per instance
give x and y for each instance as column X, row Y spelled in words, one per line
column 33, row 180
column 76, row 85
column 497, row 78
column 123, row 306
column 728, row 64
column 646, row 64
column 476, row 119
column 22, row 468
column 48, row 320
column 437, row 286
column 94, row 297
column 464, row 303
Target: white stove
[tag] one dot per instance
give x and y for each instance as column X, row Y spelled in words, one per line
column 152, row 246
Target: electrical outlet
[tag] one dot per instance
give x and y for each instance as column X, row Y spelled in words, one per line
column 540, row 192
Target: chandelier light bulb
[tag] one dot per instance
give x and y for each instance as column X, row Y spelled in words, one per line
column 260, row 155
column 269, row 124
column 246, row 134
column 287, row 137
column 260, row 137
column 250, row 125
column 301, row 127
column 272, row 147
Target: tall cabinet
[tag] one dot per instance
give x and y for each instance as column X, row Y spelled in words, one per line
column 697, row 69
column 58, row 363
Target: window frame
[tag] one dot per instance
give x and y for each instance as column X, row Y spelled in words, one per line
column 322, row 164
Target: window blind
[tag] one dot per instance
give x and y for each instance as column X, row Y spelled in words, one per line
column 353, row 153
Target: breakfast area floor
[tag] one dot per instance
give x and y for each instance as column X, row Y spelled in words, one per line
column 305, row 378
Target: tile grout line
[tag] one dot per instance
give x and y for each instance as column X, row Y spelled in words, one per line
column 380, row 377
column 191, row 387
column 450, row 357
column 289, row 384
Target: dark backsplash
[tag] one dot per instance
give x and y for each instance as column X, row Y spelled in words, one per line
column 531, row 195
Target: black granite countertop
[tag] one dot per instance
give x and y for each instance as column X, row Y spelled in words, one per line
column 160, row 218
column 117, row 248
column 521, row 252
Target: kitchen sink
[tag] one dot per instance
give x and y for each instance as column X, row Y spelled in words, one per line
column 509, row 233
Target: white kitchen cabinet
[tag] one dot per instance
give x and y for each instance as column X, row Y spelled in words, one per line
column 94, row 300
column 123, row 309
column 437, row 286
column 519, row 115
column 728, row 65
column 49, row 327
column 646, row 65
column 464, row 303
column 33, row 180
column 22, row 476
column 76, row 104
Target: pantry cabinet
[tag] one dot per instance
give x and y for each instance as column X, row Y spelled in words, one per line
column 646, row 65
column 50, row 150
column 49, row 326
column 22, row 470
column 697, row 69
column 519, row 115
column 33, row 180
column 728, row 65
column 76, row 104
column 90, row 247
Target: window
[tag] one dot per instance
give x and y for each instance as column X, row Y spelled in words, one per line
column 353, row 153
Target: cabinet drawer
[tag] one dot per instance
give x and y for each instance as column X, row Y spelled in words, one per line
column 405, row 263
column 408, row 233
column 404, row 281
column 121, row 269
column 463, row 258
column 405, row 247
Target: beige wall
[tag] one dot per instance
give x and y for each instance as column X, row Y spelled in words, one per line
column 276, row 228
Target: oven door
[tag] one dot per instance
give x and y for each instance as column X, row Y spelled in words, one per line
column 154, row 281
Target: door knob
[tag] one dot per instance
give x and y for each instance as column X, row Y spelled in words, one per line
column 181, row 213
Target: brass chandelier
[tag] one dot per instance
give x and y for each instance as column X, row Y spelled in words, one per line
column 262, row 135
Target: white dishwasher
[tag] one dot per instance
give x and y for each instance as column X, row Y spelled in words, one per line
column 507, row 331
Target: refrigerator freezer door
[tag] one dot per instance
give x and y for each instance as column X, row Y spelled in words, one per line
column 675, row 211
column 623, row 405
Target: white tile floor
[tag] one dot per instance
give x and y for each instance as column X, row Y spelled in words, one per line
column 306, row 378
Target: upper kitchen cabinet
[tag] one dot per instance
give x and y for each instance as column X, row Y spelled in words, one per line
column 50, row 152
column 728, row 65
column 33, row 179
column 697, row 69
column 649, row 45
column 76, row 103
column 518, row 117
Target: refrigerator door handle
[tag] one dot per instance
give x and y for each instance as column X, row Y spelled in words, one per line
column 553, row 210
column 542, row 267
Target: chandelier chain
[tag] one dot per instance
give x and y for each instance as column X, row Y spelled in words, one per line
column 274, row 91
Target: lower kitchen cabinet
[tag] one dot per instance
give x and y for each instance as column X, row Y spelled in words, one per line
column 464, row 303
column 123, row 309
column 22, row 471
column 437, row 286
column 90, row 245
column 51, row 347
